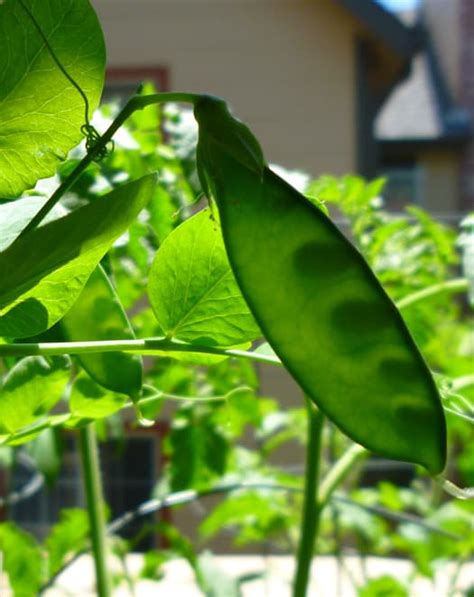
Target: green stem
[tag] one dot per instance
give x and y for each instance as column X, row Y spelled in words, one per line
column 95, row 507
column 147, row 346
column 460, row 383
column 311, row 508
column 339, row 472
column 452, row 286
column 151, row 345
column 137, row 102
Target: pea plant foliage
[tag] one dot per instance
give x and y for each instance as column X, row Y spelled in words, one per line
column 260, row 274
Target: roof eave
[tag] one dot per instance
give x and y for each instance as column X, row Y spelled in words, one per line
column 403, row 40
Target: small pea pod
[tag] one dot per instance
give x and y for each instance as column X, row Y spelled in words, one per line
column 320, row 306
column 98, row 315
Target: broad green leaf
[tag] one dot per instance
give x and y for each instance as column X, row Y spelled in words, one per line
column 89, row 400
column 67, row 537
column 21, row 560
column 30, row 389
column 193, row 291
column 43, row 272
column 27, row 433
column 41, row 112
column 98, row 315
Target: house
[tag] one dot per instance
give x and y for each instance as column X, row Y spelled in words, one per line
column 308, row 76
column 423, row 130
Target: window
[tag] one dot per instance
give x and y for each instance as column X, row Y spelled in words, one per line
column 121, row 83
column 403, row 183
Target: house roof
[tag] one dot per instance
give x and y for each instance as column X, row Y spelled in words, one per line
column 420, row 109
column 411, row 111
column 385, row 26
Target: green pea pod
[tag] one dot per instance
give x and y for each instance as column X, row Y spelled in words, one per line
column 321, row 307
column 98, row 315
column 238, row 140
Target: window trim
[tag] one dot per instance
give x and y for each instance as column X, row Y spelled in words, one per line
column 160, row 75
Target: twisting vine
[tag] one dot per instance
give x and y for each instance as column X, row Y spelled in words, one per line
column 87, row 129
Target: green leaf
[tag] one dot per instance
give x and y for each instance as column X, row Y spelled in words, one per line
column 67, row 537
column 89, row 400
column 98, row 315
column 152, row 565
column 22, row 559
column 30, row 389
column 193, row 291
column 252, row 515
column 41, row 112
column 36, row 292
column 198, row 450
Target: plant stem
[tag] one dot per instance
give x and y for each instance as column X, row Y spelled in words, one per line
column 311, row 508
column 148, row 346
column 136, row 102
column 95, row 507
column 452, row 286
column 154, row 345
column 339, row 471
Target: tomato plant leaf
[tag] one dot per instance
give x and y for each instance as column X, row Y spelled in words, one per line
column 193, row 291
column 67, row 537
column 41, row 112
column 30, row 389
column 198, row 450
column 22, row 559
column 36, row 293
column 98, row 315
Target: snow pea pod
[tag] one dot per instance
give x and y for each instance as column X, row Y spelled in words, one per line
column 318, row 303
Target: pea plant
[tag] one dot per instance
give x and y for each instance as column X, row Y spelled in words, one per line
column 261, row 274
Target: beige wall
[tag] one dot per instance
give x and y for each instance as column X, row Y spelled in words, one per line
column 440, row 180
column 443, row 20
column 286, row 67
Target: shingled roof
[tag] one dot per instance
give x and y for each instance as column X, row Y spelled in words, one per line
column 420, row 109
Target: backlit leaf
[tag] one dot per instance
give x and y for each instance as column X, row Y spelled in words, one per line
column 98, row 315
column 30, row 389
column 193, row 291
column 67, row 537
column 89, row 400
column 36, row 292
column 21, row 560
column 41, row 112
